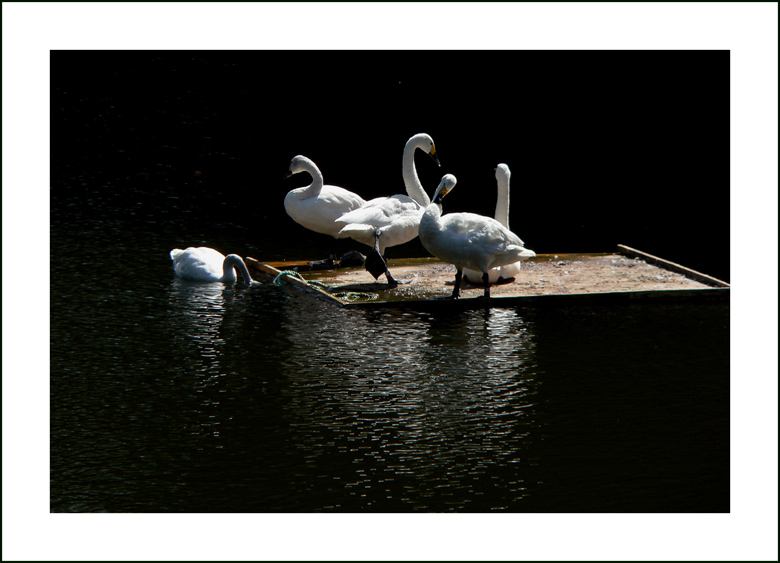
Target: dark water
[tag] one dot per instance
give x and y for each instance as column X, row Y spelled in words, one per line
column 176, row 396
column 169, row 396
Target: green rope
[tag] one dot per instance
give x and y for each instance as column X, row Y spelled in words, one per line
column 347, row 295
column 354, row 295
column 320, row 284
column 284, row 273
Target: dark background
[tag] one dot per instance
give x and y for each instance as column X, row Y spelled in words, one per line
column 605, row 147
column 157, row 150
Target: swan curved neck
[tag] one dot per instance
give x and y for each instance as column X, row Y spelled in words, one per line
column 235, row 261
column 411, row 181
column 317, row 182
column 502, row 203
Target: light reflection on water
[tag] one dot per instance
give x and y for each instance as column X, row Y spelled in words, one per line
column 429, row 412
column 173, row 396
column 182, row 396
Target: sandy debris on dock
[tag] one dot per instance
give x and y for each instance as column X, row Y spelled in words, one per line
column 543, row 275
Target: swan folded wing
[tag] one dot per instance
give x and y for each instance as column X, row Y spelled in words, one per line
column 382, row 211
column 336, row 197
column 470, row 222
column 484, row 243
column 486, row 230
column 199, row 265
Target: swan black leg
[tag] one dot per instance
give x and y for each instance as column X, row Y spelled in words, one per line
column 390, row 280
column 456, row 289
column 486, row 281
column 375, row 264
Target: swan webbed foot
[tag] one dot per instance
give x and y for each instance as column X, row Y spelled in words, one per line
column 394, row 282
column 391, row 281
column 375, row 264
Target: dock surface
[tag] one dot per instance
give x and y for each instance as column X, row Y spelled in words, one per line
column 628, row 272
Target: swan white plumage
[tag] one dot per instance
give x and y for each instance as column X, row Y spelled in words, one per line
column 317, row 206
column 467, row 240
column 390, row 221
column 206, row 264
column 502, row 216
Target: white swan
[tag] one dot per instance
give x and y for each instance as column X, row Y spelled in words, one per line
column 467, row 240
column 502, row 216
column 206, row 264
column 390, row 221
column 317, row 206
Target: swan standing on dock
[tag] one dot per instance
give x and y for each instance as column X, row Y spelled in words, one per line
column 467, row 240
column 390, row 221
column 206, row 264
column 317, row 206
column 502, row 216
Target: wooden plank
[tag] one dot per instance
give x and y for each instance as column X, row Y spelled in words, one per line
column 294, row 280
column 698, row 276
column 544, row 281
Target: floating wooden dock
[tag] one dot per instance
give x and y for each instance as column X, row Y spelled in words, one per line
column 627, row 275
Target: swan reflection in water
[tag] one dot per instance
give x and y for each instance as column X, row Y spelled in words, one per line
column 198, row 310
column 196, row 315
column 431, row 411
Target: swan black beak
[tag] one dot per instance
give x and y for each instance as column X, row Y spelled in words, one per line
column 287, row 175
column 435, row 157
column 440, row 195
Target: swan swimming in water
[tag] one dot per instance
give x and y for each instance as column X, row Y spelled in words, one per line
column 502, row 216
column 467, row 240
column 206, row 264
column 390, row 221
column 317, row 206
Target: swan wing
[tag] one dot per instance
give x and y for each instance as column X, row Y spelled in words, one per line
column 336, row 197
column 396, row 218
column 369, row 213
column 382, row 211
column 201, row 263
column 480, row 228
column 319, row 213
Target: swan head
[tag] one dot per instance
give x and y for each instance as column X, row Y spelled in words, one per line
column 424, row 142
column 502, row 172
column 299, row 164
column 448, row 182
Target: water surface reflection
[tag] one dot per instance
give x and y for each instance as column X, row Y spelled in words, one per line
column 179, row 396
column 413, row 411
